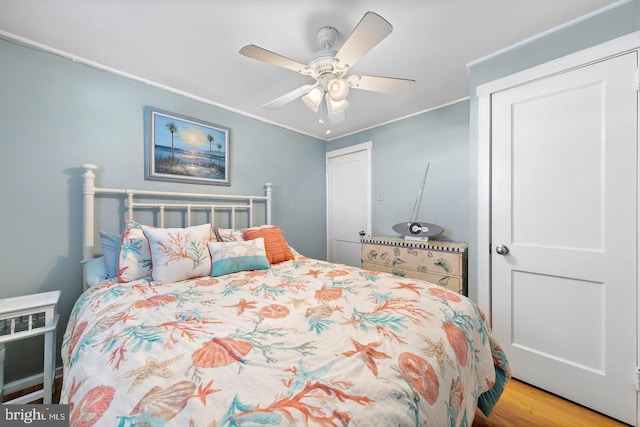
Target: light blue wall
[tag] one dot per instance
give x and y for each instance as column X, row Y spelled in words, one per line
column 616, row 22
column 400, row 154
column 56, row 115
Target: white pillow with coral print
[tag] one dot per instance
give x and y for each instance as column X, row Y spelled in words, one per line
column 179, row 253
column 134, row 261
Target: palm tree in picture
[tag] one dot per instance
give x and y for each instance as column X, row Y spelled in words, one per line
column 219, row 155
column 173, row 129
column 210, row 138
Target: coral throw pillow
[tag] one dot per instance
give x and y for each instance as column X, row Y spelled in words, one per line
column 179, row 253
column 134, row 259
column 274, row 242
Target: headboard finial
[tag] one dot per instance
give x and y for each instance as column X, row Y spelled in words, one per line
column 88, row 179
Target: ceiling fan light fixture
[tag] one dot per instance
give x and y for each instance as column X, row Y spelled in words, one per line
column 323, row 118
column 334, row 110
column 338, row 89
column 337, row 106
column 313, row 98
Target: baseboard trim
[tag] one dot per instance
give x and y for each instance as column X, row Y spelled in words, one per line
column 27, row 382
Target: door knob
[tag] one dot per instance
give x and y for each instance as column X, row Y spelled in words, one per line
column 362, row 233
column 502, row 250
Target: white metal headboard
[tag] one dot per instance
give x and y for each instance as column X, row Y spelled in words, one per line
column 192, row 202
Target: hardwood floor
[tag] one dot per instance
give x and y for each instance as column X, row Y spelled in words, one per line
column 520, row 405
column 524, row 405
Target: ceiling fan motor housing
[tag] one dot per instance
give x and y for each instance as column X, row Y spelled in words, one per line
column 327, row 37
column 323, row 63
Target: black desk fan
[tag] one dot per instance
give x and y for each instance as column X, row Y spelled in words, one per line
column 414, row 229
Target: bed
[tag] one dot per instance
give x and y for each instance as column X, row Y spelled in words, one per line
column 247, row 342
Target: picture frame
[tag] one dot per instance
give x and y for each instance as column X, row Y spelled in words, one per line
column 185, row 150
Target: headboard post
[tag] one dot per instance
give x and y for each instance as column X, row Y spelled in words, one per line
column 130, row 204
column 88, row 192
column 267, row 190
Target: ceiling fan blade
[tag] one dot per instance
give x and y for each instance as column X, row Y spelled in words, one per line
column 370, row 31
column 288, row 97
column 256, row 52
column 379, row 84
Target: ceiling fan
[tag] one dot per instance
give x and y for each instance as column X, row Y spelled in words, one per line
column 330, row 69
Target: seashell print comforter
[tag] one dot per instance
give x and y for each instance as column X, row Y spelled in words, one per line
column 304, row 343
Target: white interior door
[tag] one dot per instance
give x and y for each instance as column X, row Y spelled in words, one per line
column 564, row 185
column 348, row 202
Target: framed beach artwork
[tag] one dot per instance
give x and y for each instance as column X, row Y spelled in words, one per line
column 182, row 149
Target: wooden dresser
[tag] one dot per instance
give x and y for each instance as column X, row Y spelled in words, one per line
column 444, row 263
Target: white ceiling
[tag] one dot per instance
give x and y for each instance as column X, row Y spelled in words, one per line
column 192, row 46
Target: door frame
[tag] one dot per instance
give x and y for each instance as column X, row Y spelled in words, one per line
column 618, row 46
column 366, row 147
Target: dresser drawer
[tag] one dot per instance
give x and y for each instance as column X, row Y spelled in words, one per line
column 408, row 258
column 442, row 263
column 453, row 283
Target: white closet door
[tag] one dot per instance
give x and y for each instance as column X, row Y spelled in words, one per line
column 564, row 186
column 348, row 202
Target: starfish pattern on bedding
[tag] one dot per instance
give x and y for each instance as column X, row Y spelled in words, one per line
column 242, row 305
column 298, row 302
column 353, row 321
column 409, row 286
column 151, row 367
column 437, row 351
column 368, row 354
column 313, row 273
